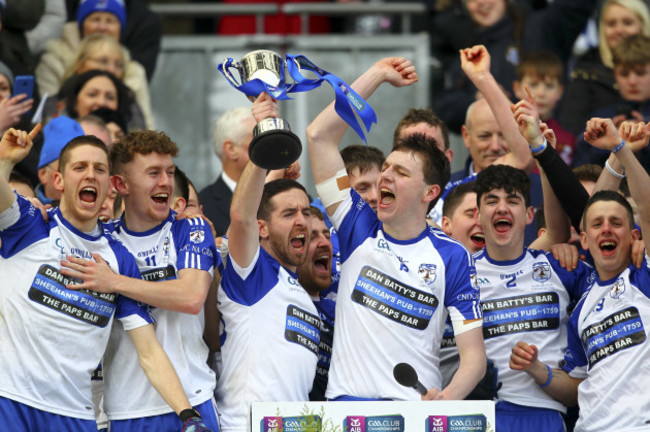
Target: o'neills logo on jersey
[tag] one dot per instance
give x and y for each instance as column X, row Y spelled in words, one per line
column 464, row 423
column 385, row 423
column 541, row 272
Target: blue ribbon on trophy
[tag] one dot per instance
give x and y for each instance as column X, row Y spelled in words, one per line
column 347, row 100
column 263, row 71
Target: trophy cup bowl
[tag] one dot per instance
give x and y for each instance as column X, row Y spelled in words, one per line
column 274, row 145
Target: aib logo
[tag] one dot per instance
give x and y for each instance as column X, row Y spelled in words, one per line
column 356, row 424
column 437, row 424
column 272, row 424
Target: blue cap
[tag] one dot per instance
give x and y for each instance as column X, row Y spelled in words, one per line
column 116, row 7
column 57, row 133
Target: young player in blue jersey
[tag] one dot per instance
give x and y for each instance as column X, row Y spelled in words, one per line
column 54, row 337
column 271, row 326
column 399, row 277
column 320, row 280
column 177, row 259
column 605, row 367
column 523, row 290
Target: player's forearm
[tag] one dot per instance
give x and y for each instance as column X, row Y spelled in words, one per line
column 470, row 371
column 499, row 103
column 158, row 369
column 607, row 180
column 558, row 229
column 176, row 295
column 7, row 196
column 473, row 363
column 638, row 181
column 561, row 387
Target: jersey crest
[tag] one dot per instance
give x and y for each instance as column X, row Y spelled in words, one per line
column 541, row 272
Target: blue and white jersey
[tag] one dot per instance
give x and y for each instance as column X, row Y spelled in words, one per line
column 609, row 349
column 393, row 300
column 272, row 332
column 526, row 299
column 161, row 253
column 326, row 310
column 53, row 338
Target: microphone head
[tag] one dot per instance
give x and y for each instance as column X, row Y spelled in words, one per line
column 405, row 375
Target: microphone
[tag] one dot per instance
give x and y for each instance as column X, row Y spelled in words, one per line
column 408, row 377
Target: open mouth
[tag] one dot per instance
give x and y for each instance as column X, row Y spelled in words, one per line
column 88, row 195
column 607, row 247
column 387, row 196
column 502, row 225
column 160, row 198
column 298, row 242
column 322, row 263
column 478, row 240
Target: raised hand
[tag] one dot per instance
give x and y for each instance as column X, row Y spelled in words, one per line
column 527, row 118
column 16, row 144
column 601, row 133
column 397, row 71
column 635, row 134
column 12, row 109
column 475, row 61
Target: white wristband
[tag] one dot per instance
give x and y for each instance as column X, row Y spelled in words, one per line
column 330, row 192
column 614, row 173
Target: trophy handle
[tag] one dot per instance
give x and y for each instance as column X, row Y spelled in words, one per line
column 225, row 70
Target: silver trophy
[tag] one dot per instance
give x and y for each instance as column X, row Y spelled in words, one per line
column 274, row 145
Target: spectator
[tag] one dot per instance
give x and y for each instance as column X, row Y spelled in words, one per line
column 507, row 34
column 232, row 134
column 102, row 52
column 91, row 90
column 11, row 107
column 142, row 34
column 69, row 55
column 49, row 27
column 17, row 17
column 57, row 133
column 426, row 122
column 592, row 84
column 114, row 122
column 632, row 74
column 93, row 125
column 543, row 73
